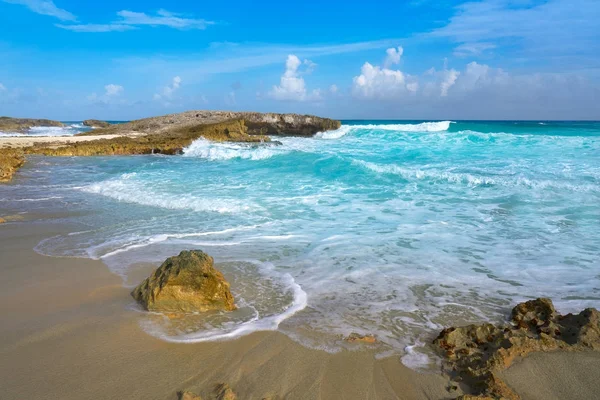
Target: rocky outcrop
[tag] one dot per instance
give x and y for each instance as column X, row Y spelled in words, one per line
column 185, row 283
column 22, row 125
column 2, row 220
column 475, row 354
column 183, row 395
column 95, row 123
column 171, row 142
column 358, row 338
column 224, row 392
column 10, row 161
column 257, row 123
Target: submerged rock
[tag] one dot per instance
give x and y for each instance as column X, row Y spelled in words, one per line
column 475, row 354
column 2, row 220
column 224, row 392
column 95, row 123
column 358, row 338
column 185, row 283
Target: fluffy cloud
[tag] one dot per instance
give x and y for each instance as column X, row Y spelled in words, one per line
column 382, row 82
column 113, row 90
column 45, row 7
column 292, row 86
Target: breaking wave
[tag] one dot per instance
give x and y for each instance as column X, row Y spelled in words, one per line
column 202, row 148
column 424, row 127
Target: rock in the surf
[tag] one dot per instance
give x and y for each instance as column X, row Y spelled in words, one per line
column 95, row 123
column 185, row 283
column 188, row 396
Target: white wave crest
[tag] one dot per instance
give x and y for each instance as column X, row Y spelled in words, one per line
column 202, row 148
column 128, row 189
column 336, row 134
column 422, row 127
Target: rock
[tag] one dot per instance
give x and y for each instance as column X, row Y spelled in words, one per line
column 94, row 123
column 476, row 353
column 357, row 338
column 185, row 283
column 22, row 125
column 2, row 220
column 187, row 396
column 10, row 161
column 224, row 392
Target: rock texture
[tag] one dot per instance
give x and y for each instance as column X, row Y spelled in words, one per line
column 168, row 142
column 358, row 338
column 224, row 392
column 95, row 123
column 188, row 396
column 475, row 354
column 257, row 123
column 10, row 161
column 185, row 283
column 21, row 125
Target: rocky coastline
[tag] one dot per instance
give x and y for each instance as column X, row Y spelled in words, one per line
column 22, row 125
column 163, row 135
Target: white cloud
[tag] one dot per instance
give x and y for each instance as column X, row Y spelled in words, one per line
column 472, row 49
column 45, row 7
column 382, row 82
column 113, row 90
column 97, row 27
column 449, row 79
column 333, row 89
column 292, row 86
column 393, row 56
column 132, row 20
column 169, row 90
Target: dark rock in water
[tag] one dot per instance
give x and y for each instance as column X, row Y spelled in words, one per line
column 22, row 125
column 185, row 283
column 94, row 123
column 475, row 354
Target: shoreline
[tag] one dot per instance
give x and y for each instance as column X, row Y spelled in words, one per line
column 73, row 317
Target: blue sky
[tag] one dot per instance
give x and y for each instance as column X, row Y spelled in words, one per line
column 419, row 59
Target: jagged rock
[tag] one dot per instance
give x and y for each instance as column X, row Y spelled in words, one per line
column 22, row 125
column 95, row 123
column 185, row 283
column 187, row 396
column 358, row 338
column 476, row 353
column 10, row 161
column 224, row 392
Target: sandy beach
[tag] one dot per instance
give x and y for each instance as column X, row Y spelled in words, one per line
column 68, row 333
column 27, row 141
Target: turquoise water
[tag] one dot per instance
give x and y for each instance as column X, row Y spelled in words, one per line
column 396, row 228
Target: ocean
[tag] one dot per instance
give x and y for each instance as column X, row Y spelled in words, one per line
column 391, row 228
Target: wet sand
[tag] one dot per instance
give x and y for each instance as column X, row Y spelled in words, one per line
column 67, row 333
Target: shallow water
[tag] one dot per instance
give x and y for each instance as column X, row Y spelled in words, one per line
column 392, row 228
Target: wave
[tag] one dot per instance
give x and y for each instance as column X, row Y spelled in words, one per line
column 424, row 127
column 203, row 148
column 128, row 189
column 472, row 180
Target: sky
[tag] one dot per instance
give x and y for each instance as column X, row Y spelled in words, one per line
column 416, row 59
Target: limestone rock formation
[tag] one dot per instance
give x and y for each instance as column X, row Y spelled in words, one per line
column 10, row 161
column 22, row 125
column 358, row 338
column 185, row 283
column 475, row 354
column 224, row 392
column 2, row 220
column 95, row 123
column 257, row 123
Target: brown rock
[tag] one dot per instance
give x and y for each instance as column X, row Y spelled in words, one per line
column 187, row 396
column 476, row 353
column 94, row 123
column 10, row 161
column 357, row 338
column 224, row 392
column 185, row 283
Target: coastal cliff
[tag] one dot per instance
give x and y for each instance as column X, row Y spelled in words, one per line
column 168, row 134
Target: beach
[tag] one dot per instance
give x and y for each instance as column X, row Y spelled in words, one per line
column 68, row 332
